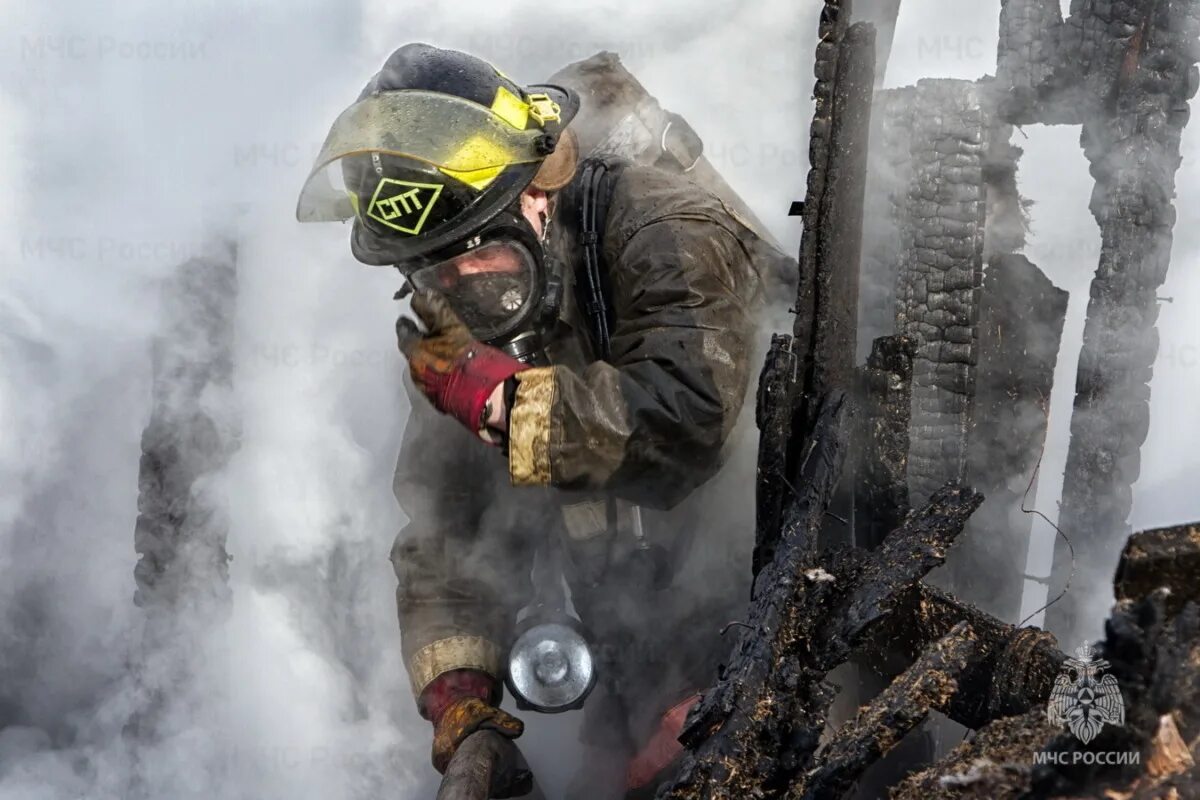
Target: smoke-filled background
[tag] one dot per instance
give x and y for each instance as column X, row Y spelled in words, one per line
column 131, row 129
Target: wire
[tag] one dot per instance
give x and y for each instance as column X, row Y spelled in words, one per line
column 1070, row 547
column 737, row 624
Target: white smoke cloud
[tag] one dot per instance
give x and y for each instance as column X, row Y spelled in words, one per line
column 128, row 131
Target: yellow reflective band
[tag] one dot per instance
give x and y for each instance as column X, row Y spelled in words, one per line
column 454, row 652
column 403, row 205
column 529, row 450
column 510, row 108
column 477, row 179
column 354, row 202
column 543, row 109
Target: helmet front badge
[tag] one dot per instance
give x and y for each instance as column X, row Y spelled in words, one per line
column 403, row 206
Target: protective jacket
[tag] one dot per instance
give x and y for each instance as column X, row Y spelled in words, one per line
column 647, row 427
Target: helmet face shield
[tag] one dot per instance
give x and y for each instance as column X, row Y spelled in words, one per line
column 438, row 144
column 495, row 287
column 462, row 140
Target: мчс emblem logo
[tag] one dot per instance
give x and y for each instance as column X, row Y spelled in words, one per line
column 403, row 205
column 1090, row 700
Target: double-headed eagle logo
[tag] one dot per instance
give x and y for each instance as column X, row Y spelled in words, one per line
column 1083, row 699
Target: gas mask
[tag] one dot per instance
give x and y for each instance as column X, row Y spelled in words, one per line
column 502, row 285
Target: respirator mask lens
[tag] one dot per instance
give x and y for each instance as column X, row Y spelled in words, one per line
column 492, row 287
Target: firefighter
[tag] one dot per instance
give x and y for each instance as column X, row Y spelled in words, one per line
column 568, row 383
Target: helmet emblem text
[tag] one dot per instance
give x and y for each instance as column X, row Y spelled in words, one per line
column 403, row 205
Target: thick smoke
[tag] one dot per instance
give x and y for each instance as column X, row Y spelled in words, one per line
column 131, row 132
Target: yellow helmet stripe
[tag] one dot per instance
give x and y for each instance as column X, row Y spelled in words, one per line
column 510, row 108
column 478, row 179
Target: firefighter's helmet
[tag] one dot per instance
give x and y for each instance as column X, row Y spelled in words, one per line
column 438, row 144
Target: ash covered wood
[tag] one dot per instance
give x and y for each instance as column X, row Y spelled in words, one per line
column 827, row 297
column 882, row 488
column 818, row 358
column 988, row 675
column 1016, row 667
column 758, row 731
column 762, row 700
column 1162, row 557
column 840, row 210
column 764, row 718
column 927, row 685
column 942, row 271
column 1155, row 657
column 950, row 197
column 773, row 415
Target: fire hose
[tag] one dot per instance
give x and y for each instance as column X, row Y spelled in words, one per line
column 488, row 765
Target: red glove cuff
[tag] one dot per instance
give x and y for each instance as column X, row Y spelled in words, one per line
column 452, row 686
column 463, row 392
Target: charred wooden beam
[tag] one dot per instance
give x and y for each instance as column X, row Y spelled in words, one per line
column 1015, row 670
column 825, row 331
column 1052, row 70
column 1018, row 666
column 773, row 415
column 824, row 457
column 840, row 217
column 1021, row 321
column 941, row 274
column 1134, row 150
column 1035, row 81
column 927, row 685
column 782, row 396
column 839, row 244
column 996, row 764
column 738, row 728
column 882, row 485
column 908, row 553
column 1167, row 557
column 830, row 249
column 821, row 150
column 764, row 719
column 1155, row 659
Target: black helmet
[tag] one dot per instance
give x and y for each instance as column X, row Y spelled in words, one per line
column 438, row 144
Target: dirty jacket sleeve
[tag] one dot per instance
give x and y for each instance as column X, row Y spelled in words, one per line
column 649, row 424
column 462, row 573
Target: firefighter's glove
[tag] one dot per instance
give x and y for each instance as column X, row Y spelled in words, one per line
column 454, row 370
column 462, row 718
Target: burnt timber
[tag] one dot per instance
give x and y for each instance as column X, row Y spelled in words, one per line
column 961, row 334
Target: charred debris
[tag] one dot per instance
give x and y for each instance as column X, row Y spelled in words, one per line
column 869, row 473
